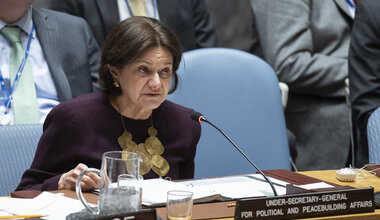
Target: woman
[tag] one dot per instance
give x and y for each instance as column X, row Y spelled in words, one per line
column 139, row 60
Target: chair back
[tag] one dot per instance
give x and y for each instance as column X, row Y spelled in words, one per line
column 18, row 145
column 239, row 93
column 373, row 136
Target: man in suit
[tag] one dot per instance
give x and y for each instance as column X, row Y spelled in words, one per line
column 63, row 55
column 364, row 71
column 189, row 19
column 306, row 42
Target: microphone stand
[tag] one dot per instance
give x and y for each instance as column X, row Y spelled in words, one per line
column 202, row 118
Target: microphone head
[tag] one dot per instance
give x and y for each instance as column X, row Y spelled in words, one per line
column 196, row 116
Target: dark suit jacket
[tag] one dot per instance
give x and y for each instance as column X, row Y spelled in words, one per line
column 71, row 51
column 189, row 19
column 364, row 71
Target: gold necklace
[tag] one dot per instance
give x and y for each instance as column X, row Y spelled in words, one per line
column 150, row 151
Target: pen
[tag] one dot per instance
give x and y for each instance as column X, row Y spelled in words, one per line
column 231, row 205
column 19, row 216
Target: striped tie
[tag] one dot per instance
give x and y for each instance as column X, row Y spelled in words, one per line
column 138, row 7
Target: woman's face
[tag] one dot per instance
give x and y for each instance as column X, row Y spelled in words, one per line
column 145, row 83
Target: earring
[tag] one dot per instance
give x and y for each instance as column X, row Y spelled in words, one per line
column 116, row 83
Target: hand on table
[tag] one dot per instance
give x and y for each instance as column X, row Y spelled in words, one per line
column 89, row 181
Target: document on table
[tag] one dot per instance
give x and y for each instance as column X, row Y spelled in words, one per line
column 154, row 192
column 50, row 205
column 317, row 185
column 206, row 190
column 244, row 186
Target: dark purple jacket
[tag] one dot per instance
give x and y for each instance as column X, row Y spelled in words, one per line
column 82, row 129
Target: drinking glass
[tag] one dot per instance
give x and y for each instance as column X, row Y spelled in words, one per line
column 179, row 205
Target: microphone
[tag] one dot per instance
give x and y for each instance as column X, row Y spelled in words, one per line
column 196, row 116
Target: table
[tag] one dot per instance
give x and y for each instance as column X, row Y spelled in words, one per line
column 329, row 176
column 220, row 210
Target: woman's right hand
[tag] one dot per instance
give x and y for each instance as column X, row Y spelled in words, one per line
column 89, row 181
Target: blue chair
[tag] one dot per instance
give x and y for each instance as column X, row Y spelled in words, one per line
column 18, row 145
column 240, row 93
column 373, row 136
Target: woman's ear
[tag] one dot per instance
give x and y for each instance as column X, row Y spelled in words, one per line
column 114, row 71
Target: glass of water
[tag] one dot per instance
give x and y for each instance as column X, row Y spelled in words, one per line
column 119, row 190
column 179, row 205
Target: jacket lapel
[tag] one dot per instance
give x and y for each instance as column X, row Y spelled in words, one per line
column 343, row 5
column 109, row 13
column 47, row 30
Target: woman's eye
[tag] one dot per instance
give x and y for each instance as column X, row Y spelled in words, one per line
column 143, row 70
column 166, row 72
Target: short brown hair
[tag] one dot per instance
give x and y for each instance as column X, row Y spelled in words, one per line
column 128, row 40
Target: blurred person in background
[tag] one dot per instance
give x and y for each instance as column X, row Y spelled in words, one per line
column 364, row 72
column 46, row 57
column 189, row 19
column 306, row 42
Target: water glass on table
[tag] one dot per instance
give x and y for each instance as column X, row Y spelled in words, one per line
column 119, row 190
column 179, row 205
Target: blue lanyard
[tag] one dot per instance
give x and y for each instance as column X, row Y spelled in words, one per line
column 154, row 3
column 7, row 99
column 2, row 84
column 351, row 4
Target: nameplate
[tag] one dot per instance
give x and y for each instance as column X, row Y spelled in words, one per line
column 313, row 204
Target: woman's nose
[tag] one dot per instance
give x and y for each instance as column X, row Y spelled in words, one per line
column 155, row 81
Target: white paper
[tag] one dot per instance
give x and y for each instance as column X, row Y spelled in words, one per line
column 154, row 191
column 54, row 206
column 235, row 187
column 318, row 185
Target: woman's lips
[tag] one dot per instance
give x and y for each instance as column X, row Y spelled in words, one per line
column 153, row 94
